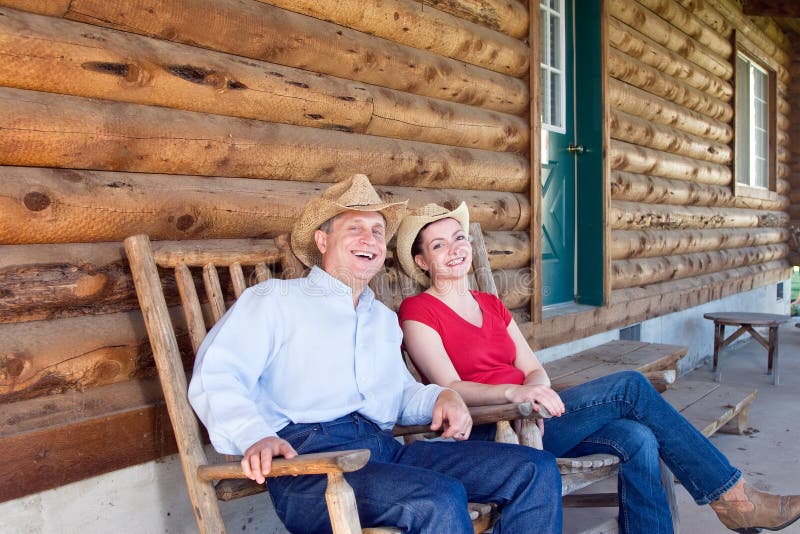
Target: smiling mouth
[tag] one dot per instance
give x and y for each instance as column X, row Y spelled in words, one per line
column 363, row 254
column 454, row 262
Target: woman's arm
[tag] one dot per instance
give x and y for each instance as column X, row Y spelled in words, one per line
column 427, row 351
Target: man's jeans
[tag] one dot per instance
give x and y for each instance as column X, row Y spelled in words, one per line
column 622, row 414
column 422, row 487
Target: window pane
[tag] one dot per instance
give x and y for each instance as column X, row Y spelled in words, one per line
column 545, row 96
column 743, row 121
column 555, row 42
column 555, row 100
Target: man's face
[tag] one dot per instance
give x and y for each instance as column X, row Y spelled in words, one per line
column 355, row 248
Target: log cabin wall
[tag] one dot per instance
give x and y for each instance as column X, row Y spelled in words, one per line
column 681, row 234
column 220, row 118
column 216, row 119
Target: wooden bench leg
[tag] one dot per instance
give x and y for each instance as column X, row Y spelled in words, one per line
column 772, row 355
column 668, row 481
column 342, row 505
column 738, row 424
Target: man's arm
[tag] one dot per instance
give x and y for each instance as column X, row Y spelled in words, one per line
column 228, row 367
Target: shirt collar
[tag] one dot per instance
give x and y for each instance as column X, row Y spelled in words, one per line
column 333, row 286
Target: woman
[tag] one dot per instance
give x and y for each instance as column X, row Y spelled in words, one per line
column 468, row 341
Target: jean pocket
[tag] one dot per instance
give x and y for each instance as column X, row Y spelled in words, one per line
column 300, row 440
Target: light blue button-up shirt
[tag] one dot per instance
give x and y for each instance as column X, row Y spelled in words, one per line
column 296, row 351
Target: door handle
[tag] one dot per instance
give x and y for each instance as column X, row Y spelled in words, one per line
column 575, row 149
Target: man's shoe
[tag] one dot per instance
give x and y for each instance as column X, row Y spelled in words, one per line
column 771, row 512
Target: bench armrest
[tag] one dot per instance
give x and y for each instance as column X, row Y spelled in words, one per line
column 304, row 464
column 482, row 415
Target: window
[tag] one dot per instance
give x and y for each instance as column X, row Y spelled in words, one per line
column 552, row 65
column 755, row 125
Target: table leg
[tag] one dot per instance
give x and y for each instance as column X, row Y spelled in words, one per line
column 772, row 355
column 719, row 334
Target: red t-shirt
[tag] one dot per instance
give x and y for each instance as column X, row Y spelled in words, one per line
column 484, row 354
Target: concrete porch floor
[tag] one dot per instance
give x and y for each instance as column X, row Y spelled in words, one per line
column 769, row 453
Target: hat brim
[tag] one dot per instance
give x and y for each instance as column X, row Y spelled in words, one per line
column 407, row 233
column 320, row 210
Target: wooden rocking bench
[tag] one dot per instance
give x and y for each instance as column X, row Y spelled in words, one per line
column 241, row 261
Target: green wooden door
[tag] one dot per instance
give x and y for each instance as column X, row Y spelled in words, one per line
column 558, row 163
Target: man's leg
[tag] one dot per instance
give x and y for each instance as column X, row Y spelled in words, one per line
column 525, row 482
column 387, row 493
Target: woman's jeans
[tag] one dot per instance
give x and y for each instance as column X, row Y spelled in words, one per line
column 422, row 487
column 622, row 414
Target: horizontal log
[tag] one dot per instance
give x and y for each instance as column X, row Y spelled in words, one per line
column 635, row 216
column 76, row 441
column 48, row 357
column 642, row 19
column 507, row 16
column 627, row 244
column 655, row 190
column 64, row 206
column 641, row 47
column 708, row 287
column 514, row 286
column 632, row 71
column 632, row 129
column 633, row 158
column 633, row 101
column 56, row 281
column 53, row 8
column 733, row 13
column 645, row 271
column 773, row 32
column 635, row 305
column 52, row 281
column 703, row 10
column 45, row 130
column 59, row 56
column 690, row 24
column 403, row 21
column 260, row 31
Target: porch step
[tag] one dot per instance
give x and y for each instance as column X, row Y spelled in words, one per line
column 710, row 406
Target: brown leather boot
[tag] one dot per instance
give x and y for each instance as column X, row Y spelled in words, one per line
column 771, row 512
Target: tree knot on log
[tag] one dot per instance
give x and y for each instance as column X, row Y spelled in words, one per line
column 202, row 76
column 36, row 201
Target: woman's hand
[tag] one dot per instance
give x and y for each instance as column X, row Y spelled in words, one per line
column 539, row 395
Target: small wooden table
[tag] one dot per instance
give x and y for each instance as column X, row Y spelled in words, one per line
column 746, row 321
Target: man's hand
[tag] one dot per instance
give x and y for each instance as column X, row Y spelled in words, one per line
column 451, row 415
column 539, row 395
column 257, row 460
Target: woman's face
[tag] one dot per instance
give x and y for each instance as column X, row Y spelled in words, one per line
column 446, row 251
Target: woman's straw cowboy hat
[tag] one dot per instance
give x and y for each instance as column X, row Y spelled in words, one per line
column 353, row 194
column 411, row 226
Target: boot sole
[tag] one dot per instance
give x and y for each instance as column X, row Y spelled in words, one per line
column 757, row 530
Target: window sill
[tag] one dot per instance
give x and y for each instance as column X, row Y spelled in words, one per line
column 756, row 192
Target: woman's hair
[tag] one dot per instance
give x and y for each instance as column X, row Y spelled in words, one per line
column 416, row 246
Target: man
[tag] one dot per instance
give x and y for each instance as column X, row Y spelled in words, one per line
column 314, row 364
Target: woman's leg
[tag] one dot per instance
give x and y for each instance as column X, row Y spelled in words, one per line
column 701, row 468
column 643, row 505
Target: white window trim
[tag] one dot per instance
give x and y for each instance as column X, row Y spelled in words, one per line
column 544, row 5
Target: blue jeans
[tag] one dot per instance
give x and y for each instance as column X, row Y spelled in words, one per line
column 422, row 487
column 622, row 414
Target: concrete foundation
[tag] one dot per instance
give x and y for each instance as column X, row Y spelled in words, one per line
column 151, row 498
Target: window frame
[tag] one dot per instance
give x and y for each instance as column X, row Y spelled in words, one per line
column 769, row 67
column 545, row 80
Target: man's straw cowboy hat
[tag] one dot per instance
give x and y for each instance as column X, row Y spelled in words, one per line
column 411, row 226
column 353, row 194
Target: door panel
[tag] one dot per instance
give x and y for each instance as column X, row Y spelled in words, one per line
column 558, row 163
